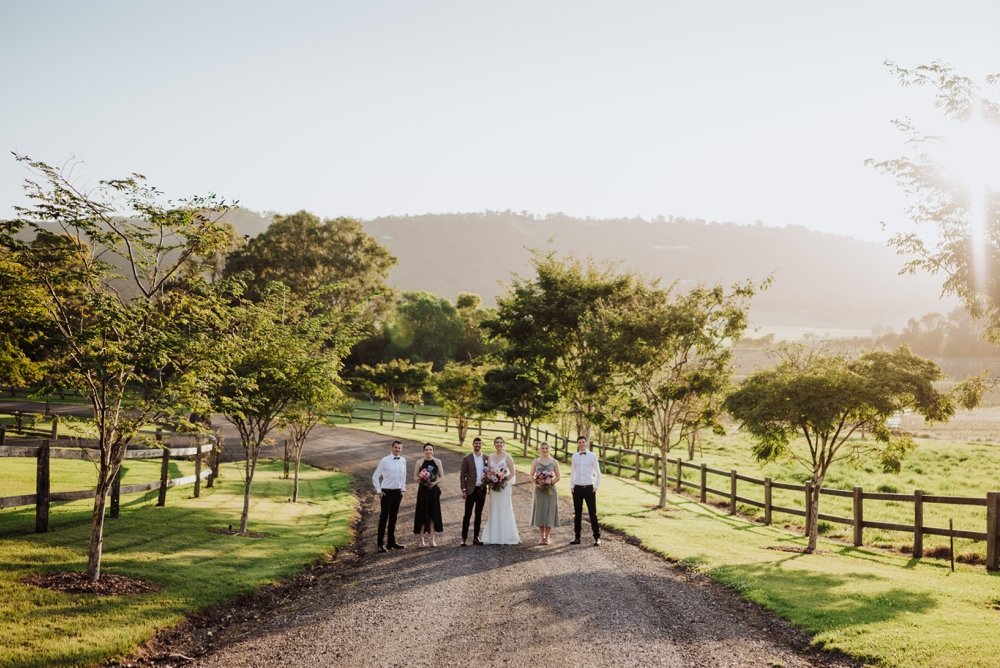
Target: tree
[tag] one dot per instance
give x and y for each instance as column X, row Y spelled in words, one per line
column 306, row 254
column 829, row 400
column 539, row 324
column 425, row 328
column 301, row 417
column 395, row 381
column 963, row 217
column 674, row 352
column 276, row 354
column 525, row 393
column 130, row 327
column 24, row 325
column 459, row 388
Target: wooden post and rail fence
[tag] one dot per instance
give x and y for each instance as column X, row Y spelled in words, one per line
column 46, row 449
column 636, row 464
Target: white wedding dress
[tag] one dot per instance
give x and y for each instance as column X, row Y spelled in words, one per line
column 501, row 528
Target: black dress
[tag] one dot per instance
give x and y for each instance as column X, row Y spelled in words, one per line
column 428, row 512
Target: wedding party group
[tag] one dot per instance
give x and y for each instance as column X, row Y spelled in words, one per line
column 485, row 476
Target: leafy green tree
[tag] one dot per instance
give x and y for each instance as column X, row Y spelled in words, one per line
column 829, row 400
column 673, row 351
column 24, row 324
column 459, row 388
column 425, row 328
column 395, row 381
column 525, row 393
column 277, row 354
column 129, row 325
column 539, row 324
column 307, row 254
column 962, row 219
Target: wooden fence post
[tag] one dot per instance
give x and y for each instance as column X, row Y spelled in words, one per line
column 859, row 516
column 918, row 523
column 197, row 467
column 164, row 471
column 680, row 474
column 993, row 531
column 55, row 427
column 213, row 460
column 3, row 434
column 767, row 501
column 42, row 489
column 116, row 495
column 414, row 417
column 637, row 464
column 732, row 492
column 381, row 416
column 659, row 473
column 704, row 481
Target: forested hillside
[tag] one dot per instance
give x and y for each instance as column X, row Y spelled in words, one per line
column 820, row 280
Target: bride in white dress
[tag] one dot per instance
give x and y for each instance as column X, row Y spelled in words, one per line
column 501, row 528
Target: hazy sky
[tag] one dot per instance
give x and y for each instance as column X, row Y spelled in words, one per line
column 733, row 111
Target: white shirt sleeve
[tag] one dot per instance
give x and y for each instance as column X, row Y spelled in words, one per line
column 597, row 473
column 376, row 482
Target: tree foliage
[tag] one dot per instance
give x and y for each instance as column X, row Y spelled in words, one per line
column 959, row 234
column 829, row 400
column 307, row 254
column 459, row 388
column 395, row 381
column 128, row 325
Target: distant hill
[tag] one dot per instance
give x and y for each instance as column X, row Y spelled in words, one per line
column 821, row 281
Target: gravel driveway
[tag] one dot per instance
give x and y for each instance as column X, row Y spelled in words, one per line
column 557, row 605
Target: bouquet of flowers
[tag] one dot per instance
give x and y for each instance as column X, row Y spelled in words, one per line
column 545, row 479
column 427, row 477
column 496, row 477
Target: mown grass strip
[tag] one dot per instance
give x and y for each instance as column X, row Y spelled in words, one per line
column 172, row 547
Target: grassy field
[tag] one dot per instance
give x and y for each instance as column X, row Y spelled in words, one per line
column 172, row 547
column 877, row 605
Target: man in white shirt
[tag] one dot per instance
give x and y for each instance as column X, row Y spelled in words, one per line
column 584, row 479
column 389, row 480
column 473, row 490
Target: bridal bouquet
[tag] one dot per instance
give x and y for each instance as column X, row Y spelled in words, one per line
column 496, row 477
column 544, row 480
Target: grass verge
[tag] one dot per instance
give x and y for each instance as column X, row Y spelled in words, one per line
column 171, row 547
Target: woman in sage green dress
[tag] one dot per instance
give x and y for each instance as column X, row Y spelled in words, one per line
column 545, row 506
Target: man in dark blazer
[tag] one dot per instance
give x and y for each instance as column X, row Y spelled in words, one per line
column 470, row 477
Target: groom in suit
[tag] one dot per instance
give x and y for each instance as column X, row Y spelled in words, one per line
column 473, row 490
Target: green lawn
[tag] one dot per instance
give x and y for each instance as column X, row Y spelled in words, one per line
column 879, row 606
column 172, row 547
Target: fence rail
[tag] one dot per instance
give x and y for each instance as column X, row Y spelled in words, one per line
column 44, row 450
column 615, row 460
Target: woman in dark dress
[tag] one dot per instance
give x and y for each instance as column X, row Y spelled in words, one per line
column 427, row 474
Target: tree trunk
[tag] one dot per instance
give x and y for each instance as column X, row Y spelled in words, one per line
column 245, row 517
column 812, row 517
column 298, row 464
column 96, row 548
column 463, row 429
column 663, row 479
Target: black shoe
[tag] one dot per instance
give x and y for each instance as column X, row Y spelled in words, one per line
column 381, row 548
column 597, row 542
column 396, row 546
column 464, row 544
column 478, row 542
column 575, row 541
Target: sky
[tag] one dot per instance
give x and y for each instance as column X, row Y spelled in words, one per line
column 731, row 111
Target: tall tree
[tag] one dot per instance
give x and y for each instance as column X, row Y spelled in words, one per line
column 425, row 328
column 306, row 254
column 278, row 353
column 525, row 393
column 963, row 242
column 829, row 400
column 673, row 350
column 459, row 388
column 132, row 327
column 539, row 323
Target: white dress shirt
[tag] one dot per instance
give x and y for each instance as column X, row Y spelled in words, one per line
column 480, row 462
column 585, row 470
column 392, row 472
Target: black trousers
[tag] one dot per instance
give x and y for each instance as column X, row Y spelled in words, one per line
column 586, row 493
column 474, row 500
column 388, row 510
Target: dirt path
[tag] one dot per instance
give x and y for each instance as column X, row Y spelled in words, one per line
column 560, row 605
